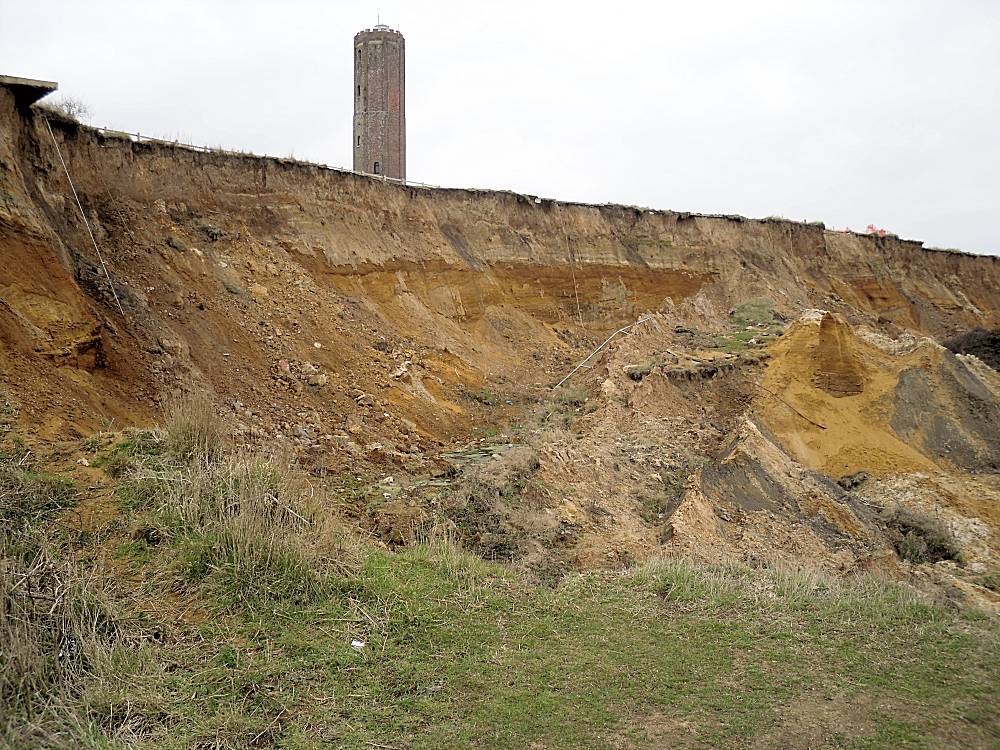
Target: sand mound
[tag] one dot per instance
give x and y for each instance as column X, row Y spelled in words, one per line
column 840, row 404
column 827, row 398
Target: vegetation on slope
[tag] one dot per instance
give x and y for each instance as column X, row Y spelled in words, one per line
column 226, row 614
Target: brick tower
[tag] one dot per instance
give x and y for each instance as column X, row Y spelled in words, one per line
column 380, row 102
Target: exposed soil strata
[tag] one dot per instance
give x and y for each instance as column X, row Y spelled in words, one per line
column 378, row 329
column 837, row 373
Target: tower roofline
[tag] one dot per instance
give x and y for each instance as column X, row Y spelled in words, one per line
column 379, row 29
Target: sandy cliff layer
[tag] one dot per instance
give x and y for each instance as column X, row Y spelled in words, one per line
column 215, row 254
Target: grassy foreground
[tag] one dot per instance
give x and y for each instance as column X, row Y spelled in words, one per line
column 226, row 621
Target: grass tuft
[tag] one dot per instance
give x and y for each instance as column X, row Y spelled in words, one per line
column 243, row 528
column 755, row 311
column 57, row 625
column 571, row 396
column 130, row 452
column 194, row 432
column 28, row 497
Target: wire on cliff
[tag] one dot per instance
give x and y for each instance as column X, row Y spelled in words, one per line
column 84, row 215
column 620, row 331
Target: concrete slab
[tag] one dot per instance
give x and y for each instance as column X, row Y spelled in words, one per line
column 28, row 90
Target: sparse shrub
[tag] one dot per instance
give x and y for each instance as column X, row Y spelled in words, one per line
column 67, row 107
column 194, row 431
column 16, row 451
column 508, row 469
column 638, row 372
column 564, row 404
column 95, row 442
column 569, row 396
column 482, row 502
column 990, row 580
column 920, row 538
column 982, row 343
column 486, row 397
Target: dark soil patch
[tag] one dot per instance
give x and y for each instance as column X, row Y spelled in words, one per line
column 980, row 342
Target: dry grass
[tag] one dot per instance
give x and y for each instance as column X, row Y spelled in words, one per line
column 194, row 431
column 240, row 532
column 780, row 585
column 56, row 625
column 55, row 617
column 247, row 527
column 28, row 497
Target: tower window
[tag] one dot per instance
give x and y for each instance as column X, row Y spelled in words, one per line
column 359, row 89
column 359, row 140
column 378, row 168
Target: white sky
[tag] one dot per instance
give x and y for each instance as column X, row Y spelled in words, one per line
column 884, row 112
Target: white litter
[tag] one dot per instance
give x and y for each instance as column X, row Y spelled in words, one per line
column 357, row 645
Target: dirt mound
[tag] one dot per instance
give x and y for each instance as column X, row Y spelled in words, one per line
column 836, row 433
column 908, row 412
column 951, row 413
column 755, row 493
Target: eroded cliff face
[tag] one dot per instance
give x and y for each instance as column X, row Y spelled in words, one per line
column 215, row 252
column 371, row 324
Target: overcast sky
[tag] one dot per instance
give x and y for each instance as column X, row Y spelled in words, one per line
column 883, row 111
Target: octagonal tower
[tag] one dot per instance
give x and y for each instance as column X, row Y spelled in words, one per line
column 380, row 102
